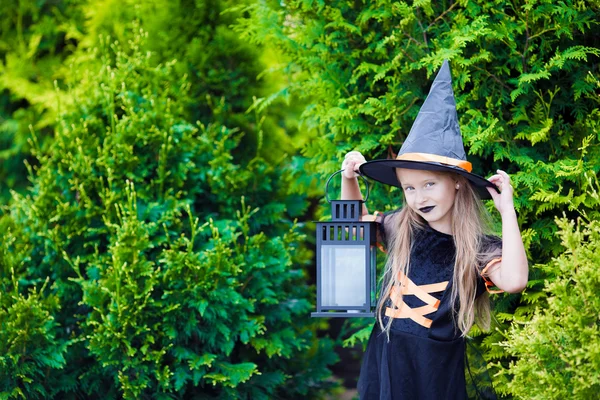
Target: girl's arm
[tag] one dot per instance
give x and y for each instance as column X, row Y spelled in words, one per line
column 350, row 189
column 511, row 274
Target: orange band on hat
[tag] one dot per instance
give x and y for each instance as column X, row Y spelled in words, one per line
column 467, row 166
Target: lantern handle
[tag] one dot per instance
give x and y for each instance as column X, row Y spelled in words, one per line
column 341, row 170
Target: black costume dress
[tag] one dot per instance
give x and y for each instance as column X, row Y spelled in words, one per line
column 420, row 363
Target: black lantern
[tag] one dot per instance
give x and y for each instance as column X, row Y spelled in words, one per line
column 346, row 250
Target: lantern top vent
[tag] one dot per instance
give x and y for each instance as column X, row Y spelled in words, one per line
column 346, row 210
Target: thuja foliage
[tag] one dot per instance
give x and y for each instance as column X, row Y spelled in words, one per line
column 148, row 260
column 36, row 39
column 368, row 67
column 29, row 345
column 40, row 40
column 526, row 85
column 564, row 336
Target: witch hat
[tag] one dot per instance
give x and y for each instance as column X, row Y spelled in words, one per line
column 434, row 142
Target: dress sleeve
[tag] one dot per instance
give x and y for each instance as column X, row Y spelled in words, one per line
column 491, row 255
column 383, row 226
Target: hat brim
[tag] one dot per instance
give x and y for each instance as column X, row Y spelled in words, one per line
column 384, row 171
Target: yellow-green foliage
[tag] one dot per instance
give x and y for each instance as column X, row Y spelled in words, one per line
column 36, row 40
column 154, row 255
column 40, row 41
column 557, row 352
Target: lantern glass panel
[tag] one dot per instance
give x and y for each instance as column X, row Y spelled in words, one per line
column 343, row 276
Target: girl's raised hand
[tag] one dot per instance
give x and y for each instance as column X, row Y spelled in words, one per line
column 503, row 201
column 351, row 162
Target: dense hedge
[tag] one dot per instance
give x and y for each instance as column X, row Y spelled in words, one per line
column 41, row 39
column 37, row 37
column 526, row 85
column 154, row 254
column 557, row 353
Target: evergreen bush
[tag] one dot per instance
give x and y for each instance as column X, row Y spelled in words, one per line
column 36, row 39
column 40, row 40
column 526, row 85
column 557, row 352
column 156, row 256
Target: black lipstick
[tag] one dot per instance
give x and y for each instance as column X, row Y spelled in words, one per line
column 426, row 209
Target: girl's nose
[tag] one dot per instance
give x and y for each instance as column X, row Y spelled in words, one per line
column 420, row 197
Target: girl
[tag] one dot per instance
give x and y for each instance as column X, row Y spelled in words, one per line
column 439, row 259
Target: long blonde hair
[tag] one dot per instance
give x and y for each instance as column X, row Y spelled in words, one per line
column 467, row 233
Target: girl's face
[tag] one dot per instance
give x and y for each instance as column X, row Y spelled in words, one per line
column 430, row 194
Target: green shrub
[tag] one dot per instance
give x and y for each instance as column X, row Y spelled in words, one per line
column 557, row 352
column 36, row 38
column 526, row 85
column 173, row 265
column 28, row 344
column 41, row 40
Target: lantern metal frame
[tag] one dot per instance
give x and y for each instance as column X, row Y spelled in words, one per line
column 346, row 229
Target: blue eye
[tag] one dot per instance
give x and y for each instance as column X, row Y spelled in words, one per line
column 407, row 188
column 429, row 184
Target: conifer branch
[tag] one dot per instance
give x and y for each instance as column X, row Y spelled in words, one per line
column 441, row 16
column 422, row 29
column 412, row 38
column 412, row 103
column 542, row 32
column 339, row 83
column 523, row 63
column 504, row 85
column 391, row 154
column 407, row 55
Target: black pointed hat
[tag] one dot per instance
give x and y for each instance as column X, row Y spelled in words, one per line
column 434, row 142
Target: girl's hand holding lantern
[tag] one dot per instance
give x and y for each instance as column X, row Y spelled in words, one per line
column 351, row 162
